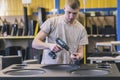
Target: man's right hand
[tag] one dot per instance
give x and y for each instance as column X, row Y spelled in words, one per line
column 55, row 47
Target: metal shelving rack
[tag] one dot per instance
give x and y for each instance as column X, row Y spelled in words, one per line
column 102, row 36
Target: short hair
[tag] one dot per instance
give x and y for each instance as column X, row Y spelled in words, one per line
column 74, row 4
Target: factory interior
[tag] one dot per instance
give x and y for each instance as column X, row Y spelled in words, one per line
column 20, row 22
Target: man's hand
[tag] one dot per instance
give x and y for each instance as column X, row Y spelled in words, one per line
column 55, row 47
column 75, row 56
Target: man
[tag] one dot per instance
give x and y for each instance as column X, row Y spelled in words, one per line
column 67, row 28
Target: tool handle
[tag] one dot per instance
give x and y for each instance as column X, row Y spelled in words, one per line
column 52, row 54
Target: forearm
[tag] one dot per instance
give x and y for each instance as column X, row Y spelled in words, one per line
column 80, row 52
column 38, row 41
column 38, row 44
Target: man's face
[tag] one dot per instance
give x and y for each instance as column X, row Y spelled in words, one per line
column 70, row 14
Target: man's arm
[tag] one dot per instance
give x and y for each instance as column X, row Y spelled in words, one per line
column 39, row 43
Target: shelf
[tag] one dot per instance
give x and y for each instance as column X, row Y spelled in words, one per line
column 101, row 35
column 17, row 37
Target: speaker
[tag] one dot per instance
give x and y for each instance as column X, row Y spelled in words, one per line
column 6, row 28
column 25, row 21
column 94, row 29
column 12, row 50
column 14, row 29
column 41, row 15
column 32, row 27
column 9, row 60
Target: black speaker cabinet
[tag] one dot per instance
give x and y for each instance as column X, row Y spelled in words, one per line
column 9, row 60
column 41, row 14
column 25, row 21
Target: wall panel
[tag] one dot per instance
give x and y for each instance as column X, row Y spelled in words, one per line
column 62, row 2
column 111, row 3
column 15, row 7
column 48, row 4
column 94, row 3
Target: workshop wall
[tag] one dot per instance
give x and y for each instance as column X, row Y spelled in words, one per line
column 15, row 7
column 94, row 3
